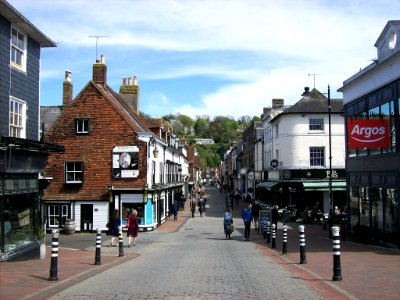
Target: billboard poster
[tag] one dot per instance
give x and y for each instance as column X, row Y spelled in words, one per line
column 125, row 162
column 368, row 133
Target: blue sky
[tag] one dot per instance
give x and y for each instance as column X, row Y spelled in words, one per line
column 208, row 57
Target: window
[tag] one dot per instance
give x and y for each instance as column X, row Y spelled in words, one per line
column 17, row 118
column 317, row 156
column 73, row 172
column 82, row 126
column 316, row 124
column 18, row 49
column 55, row 212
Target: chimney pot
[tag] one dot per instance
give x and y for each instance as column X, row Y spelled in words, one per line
column 124, row 81
column 67, row 89
column 68, row 75
column 102, row 59
column 135, row 80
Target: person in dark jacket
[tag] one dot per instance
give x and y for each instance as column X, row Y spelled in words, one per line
column 115, row 222
column 133, row 228
column 275, row 216
column 228, row 221
column 247, row 218
column 175, row 209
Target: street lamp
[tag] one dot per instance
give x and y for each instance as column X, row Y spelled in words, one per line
column 330, row 148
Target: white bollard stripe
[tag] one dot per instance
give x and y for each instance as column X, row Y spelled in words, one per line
column 336, row 253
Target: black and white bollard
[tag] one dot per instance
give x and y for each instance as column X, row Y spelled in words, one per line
column 268, row 232
column 121, row 242
column 263, row 228
column 284, row 240
column 337, row 271
column 97, row 259
column 273, row 245
column 302, row 240
column 54, row 256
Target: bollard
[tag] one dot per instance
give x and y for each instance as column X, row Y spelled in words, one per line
column 268, row 232
column 121, row 242
column 302, row 239
column 337, row 272
column 54, row 256
column 284, row 240
column 97, row 259
column 273, row 245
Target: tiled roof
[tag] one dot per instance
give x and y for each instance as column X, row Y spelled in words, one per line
column 314, row 103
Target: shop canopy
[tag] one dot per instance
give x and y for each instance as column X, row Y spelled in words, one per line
column 267, row 184
column 324, row 185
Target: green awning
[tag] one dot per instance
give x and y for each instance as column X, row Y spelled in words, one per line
column 324, row 185
column 266, row 185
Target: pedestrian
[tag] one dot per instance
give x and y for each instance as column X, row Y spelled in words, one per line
column 175, row 209
column 237, row 197
column 133, row 228
column 201, row 206
column 228, row 221
column 193, row 205
column 248, row 198
column 255, row 210
column 205, row 204
column 275, row 216
column 247, row 218
column 115, row 222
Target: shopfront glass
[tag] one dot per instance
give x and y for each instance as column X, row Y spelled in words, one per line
column 354, row 207
column 377, row 214
column 391, row 216
column 20, row 220
column 130, row 202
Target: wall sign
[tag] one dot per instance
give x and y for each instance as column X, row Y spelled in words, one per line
column 125, row 162
column 367, row 133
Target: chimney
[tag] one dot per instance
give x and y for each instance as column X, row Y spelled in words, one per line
column 100, row 71
column 306, row 93
column 277, row 103
column 129, row 91
column 67, row 89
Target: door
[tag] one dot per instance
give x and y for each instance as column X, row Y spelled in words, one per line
column 86, row 217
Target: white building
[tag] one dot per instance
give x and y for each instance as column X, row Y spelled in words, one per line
column 296, row 151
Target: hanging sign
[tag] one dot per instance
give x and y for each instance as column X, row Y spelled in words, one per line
column 368, row 133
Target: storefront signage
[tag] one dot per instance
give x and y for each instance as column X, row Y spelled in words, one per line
column 125, row 162
column 368, row 133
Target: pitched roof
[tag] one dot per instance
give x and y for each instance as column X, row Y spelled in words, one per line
column 314, row 102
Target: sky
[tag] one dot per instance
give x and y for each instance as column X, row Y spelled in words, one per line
column 208, row 57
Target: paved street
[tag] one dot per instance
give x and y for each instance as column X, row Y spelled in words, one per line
column 195, row 262
column 190, row 259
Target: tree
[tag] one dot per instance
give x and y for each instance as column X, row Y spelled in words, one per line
column 202, row 128
column 186, row 120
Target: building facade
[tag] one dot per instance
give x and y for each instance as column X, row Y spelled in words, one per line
column 115, row 159
column 371, row 105
column 297, row 151
column 22, row 154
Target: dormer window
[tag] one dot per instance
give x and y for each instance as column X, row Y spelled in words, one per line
column 82, row 126
column 18, row 49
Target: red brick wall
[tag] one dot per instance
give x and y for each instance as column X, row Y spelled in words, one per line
column 107, row 129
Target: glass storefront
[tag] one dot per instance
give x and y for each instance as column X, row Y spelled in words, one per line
column 374, row 215
column 20, row 221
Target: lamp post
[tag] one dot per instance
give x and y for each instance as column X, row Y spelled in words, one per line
column 330, row 148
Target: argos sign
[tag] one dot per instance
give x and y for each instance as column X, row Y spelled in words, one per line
column 368, row 133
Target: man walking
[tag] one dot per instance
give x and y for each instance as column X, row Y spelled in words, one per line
column 247, row 218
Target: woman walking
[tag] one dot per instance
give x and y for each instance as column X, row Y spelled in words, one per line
column 133, row 228
column 115, row 222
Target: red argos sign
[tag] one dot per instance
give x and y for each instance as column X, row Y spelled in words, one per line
column 368, row 133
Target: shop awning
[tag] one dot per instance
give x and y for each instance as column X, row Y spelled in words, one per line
column 324, row 185
column 266, row 185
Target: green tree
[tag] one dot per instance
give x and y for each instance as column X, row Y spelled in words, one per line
column 202, row 128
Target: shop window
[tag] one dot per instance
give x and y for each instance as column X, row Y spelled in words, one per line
column 57, row 214
column 18, row 49
column 74, row 172
column 391, row 215
column 17, row 118
column 317, row 156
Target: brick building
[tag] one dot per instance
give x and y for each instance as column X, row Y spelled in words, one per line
column 114, row 158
